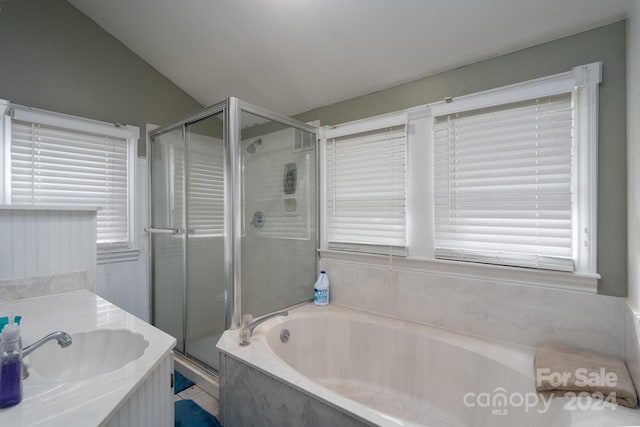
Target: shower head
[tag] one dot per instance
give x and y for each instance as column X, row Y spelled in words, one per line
column 251, row 148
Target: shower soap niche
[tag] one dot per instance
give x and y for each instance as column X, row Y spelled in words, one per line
column 290, row 178
column 289, row 205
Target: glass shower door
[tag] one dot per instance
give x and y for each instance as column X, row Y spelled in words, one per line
column 206, row 295
column 230, row 238
column 167, row 231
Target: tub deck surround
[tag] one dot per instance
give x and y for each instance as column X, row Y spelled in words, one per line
column 389, row 372
column 495, row 309
column 95, row 400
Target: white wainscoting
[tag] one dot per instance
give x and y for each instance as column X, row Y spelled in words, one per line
column 38, row 241
column 151, row 404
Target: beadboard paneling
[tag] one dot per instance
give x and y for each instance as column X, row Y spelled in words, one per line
column 151, row 405
column 39, row 242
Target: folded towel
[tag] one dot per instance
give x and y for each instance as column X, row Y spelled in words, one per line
column 562, row 368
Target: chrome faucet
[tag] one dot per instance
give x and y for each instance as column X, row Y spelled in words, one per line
column 255, row 323
column 63, row 338
column 247, row 326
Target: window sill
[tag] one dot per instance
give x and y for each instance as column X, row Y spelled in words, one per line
column 580, row 282
column 113, row 256
column 48, row 208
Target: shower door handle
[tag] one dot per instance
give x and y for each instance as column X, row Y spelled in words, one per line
column 152, row 230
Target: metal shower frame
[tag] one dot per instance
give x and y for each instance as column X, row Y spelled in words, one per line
column 232, row 109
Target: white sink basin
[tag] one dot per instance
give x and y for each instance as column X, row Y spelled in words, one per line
column 90, row 354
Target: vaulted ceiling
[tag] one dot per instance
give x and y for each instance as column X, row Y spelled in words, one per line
column 295, row 55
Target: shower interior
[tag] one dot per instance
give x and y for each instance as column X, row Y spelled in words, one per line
column 233, row 221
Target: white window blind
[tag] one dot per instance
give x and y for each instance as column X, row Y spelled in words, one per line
column 58, row 166
column 205, row 186
column 366, row 183
column 504, row 184
column 205, row 189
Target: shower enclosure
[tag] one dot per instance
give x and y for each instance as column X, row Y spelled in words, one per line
column 233, row 221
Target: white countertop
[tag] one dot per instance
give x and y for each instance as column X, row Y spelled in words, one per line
column 90, row 401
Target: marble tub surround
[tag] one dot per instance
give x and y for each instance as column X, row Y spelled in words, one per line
column 525, row 315
column 95, row 400
column 383, row 371
column 252, row 390
column 36, row 286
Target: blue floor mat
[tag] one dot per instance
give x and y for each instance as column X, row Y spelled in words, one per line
column 180, row 382
column 190, row 414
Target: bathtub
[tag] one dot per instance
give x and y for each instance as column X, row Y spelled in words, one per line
column 341, row 366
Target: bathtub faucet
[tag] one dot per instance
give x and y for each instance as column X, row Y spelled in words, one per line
column 255, row 323
column 247, row 326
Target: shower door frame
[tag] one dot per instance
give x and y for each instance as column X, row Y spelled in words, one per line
column 182, row 125
column 232, row 109
column 233, row 251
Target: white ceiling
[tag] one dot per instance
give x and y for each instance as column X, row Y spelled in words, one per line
column 294, row 55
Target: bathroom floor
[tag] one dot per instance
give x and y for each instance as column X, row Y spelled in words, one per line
column 201, row 397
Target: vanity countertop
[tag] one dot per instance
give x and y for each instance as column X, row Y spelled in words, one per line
column 91, row 401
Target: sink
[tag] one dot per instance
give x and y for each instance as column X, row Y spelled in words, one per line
column 90, row 354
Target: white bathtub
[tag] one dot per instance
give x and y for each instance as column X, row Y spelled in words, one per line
column 388, row 372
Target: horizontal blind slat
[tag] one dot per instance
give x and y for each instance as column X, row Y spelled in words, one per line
column 366, row 189
column 52, row 165
column 204, row 186
column 503, row 189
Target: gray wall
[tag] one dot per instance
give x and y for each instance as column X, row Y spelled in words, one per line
column 54, row 57
column 606, row 44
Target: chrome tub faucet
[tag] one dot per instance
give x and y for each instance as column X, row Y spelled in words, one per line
column 247, row 326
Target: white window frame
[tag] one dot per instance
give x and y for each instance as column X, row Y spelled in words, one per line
column 107, row 252
column 352, row 128
column 583, row 82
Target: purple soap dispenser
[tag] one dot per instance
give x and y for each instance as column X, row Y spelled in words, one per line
column 10, row 365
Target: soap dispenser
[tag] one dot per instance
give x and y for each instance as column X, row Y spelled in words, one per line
column 10, row 365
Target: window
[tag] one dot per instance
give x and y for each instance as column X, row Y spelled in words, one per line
column 515, row 174
column 58, row 160
column 366, row 185
column 499, row 185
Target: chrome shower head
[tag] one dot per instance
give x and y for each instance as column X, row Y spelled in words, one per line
column 251, row 148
